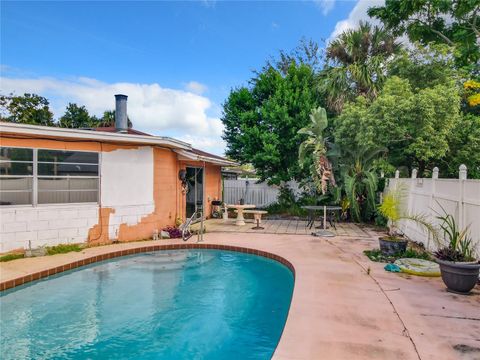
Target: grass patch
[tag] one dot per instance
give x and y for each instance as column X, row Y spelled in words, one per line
column 377, row 256
column 9, row 257
column 63, row 248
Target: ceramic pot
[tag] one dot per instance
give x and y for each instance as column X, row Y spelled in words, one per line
column 460, row 277
column 389, row 247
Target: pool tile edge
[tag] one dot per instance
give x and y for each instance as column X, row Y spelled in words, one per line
column 33, row 276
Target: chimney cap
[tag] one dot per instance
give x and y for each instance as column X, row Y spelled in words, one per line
column 121, row 96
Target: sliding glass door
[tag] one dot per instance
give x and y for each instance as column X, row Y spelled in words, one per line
column 195, row 189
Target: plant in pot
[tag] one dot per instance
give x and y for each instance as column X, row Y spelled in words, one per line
column 395, row 242
column 458, row 264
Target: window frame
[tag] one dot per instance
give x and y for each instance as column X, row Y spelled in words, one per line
column 32, row 176
column 35, row 177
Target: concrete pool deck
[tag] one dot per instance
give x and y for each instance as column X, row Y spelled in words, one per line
column 344, row 306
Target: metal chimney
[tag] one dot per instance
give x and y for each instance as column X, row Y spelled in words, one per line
column 121, row 122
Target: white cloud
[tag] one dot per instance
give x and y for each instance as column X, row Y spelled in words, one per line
column 209, row 3
column 359, row 12
column 325, row 5
column 151, row 108
column 207, row 143
column 196, row 87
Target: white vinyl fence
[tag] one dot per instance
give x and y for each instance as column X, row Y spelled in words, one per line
column 259, row 194
column 459, row 197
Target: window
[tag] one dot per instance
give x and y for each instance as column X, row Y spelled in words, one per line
column 38, row 176
column 16, row 176
column 67, row 176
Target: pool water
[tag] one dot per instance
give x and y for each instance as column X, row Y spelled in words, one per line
column 182, row 304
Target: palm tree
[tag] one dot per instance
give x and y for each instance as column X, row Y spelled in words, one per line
column 358, row 60
column 108, row 119
column 316, row 145
column 361, row 180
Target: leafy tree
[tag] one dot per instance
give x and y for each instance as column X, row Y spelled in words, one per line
column 77, row 117
column 452, row 22
column 425, row 66
column 316, row 146
column 26, row 109
column 308, row 52
column 471, row 94
column 464, row 148
column 358, row 60
column 262, row 121
column 415, row 126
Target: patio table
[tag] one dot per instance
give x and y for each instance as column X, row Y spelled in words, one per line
column 311, row 217
column 240, row 219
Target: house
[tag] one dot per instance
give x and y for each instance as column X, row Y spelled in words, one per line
column 98, row 185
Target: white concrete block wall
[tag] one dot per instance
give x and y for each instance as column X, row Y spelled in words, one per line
column 129, row 215
column 127, row 186
column 60, row 224
column 45, row 225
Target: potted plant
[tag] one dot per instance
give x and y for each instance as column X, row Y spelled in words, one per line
column 395, row 242
column 458, row 265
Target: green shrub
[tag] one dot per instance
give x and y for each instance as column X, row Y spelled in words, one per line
column 286, row 198
column 380, row 220
column 460, row 246
column 292, row 210
column 63, row 248
column 377, row 256
column 9, row 257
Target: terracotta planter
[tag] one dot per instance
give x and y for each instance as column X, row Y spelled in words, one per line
column 389, row 247
column 460, row 277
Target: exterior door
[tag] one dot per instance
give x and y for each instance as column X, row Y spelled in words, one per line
column 195, row 189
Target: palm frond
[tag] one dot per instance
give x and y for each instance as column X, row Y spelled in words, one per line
column 422, row 220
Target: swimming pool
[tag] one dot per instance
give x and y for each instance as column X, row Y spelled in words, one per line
column 179, row 304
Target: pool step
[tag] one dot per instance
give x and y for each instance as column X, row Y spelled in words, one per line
column 173, row 260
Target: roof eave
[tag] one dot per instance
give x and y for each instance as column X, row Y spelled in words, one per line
column 89, row 135
column 186, row 155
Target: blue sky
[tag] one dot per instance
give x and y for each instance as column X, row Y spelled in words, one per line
column 177, row 61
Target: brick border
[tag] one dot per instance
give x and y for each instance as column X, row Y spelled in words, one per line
column 114, row 254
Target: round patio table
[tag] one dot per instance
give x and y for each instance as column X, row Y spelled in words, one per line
column 311, row 217
column 240, row 219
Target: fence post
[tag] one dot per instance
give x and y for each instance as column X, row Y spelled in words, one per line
column 397, row 174
column 462, row 175
column 382, row 175
column 431, row 197
column 410, row 196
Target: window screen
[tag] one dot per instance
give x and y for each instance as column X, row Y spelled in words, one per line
column 67, row 176
column 16, row 176
column 57, row 176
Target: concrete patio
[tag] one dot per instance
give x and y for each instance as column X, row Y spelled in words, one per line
column 344, row 306
column 287, row 226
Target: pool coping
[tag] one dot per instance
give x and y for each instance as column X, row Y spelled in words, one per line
column 25, row 279
column 366, row 313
